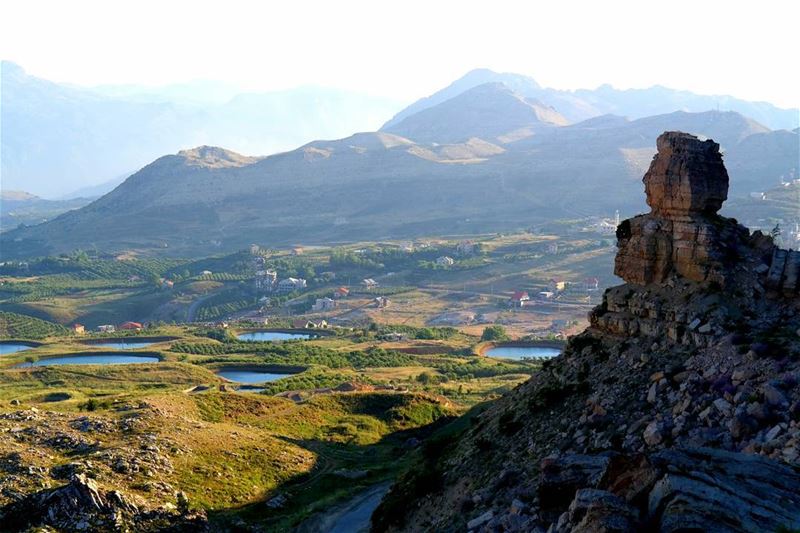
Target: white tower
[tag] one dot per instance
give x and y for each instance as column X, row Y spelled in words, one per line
column 616, row 217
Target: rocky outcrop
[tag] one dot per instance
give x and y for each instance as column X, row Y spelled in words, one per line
column 677, row 409
column 80, row 505
column 683, row 235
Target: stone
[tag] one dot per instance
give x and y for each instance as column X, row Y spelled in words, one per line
column 772, row 434
column 652, row 393
column 773, row 396
column 652, row 434
column 14, row 402
column 480, row 520
column 723, row 406
column 561, row 476
column 601, row 511
column 182, row 502
column 517, row 507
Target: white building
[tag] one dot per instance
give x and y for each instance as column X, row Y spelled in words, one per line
column 107, row 328
column 445, row 261
column 290, row 285
column 323, row 304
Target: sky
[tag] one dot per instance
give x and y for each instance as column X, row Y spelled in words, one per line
column 405, row 50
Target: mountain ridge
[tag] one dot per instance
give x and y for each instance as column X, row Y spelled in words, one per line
column 378, row 185
column 582, row 104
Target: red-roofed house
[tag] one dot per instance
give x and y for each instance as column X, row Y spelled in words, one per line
column 78, row 328
column 519, row 298
column 135, row 326
column 341, row 292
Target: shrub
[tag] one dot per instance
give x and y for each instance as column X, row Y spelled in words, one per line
column 494, row 333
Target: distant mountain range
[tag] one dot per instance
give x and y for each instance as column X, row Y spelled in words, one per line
column 487, row 159
column 583, row 104
column 59, row 138
column 19, row 207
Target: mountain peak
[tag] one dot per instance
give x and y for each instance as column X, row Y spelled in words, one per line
column 215, row 157
column 487, row 111
column 523, row 85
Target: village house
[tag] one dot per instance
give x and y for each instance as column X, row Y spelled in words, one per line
column 519, row 298
column 369, row 283
column 323, row 304
column 78, row 329
column 290, row 285
column 107, row 328
column 131, row 326
column 445, row 261
column 393, row 337
column 167, row 284
column 591, row 284
column 301, row 323
column 558, row 284
column 546, row 295
column 134, row 278
column 552, row 248
column 382, row 302
column 341, row 292
column 206, row 273
column 298, row 250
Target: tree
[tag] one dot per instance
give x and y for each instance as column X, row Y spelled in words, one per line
column 30, row 359
column 494, row 333
column 425, row 378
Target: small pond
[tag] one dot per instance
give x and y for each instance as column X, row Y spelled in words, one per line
column 272, row 336
column 249, row 376
column 123, row 344
column 94, row 359
column 13, row 347
column 522, row 352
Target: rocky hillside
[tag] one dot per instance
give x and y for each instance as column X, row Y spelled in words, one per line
column 678, row 409
column 372, row 186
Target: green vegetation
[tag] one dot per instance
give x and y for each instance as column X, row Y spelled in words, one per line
column 494, row 333
column 225, row 303
column 16, row 326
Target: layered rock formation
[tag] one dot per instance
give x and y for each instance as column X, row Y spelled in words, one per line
column 678, row 409
column 683, row 235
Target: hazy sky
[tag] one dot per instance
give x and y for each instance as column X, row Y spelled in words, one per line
column 407, row 49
